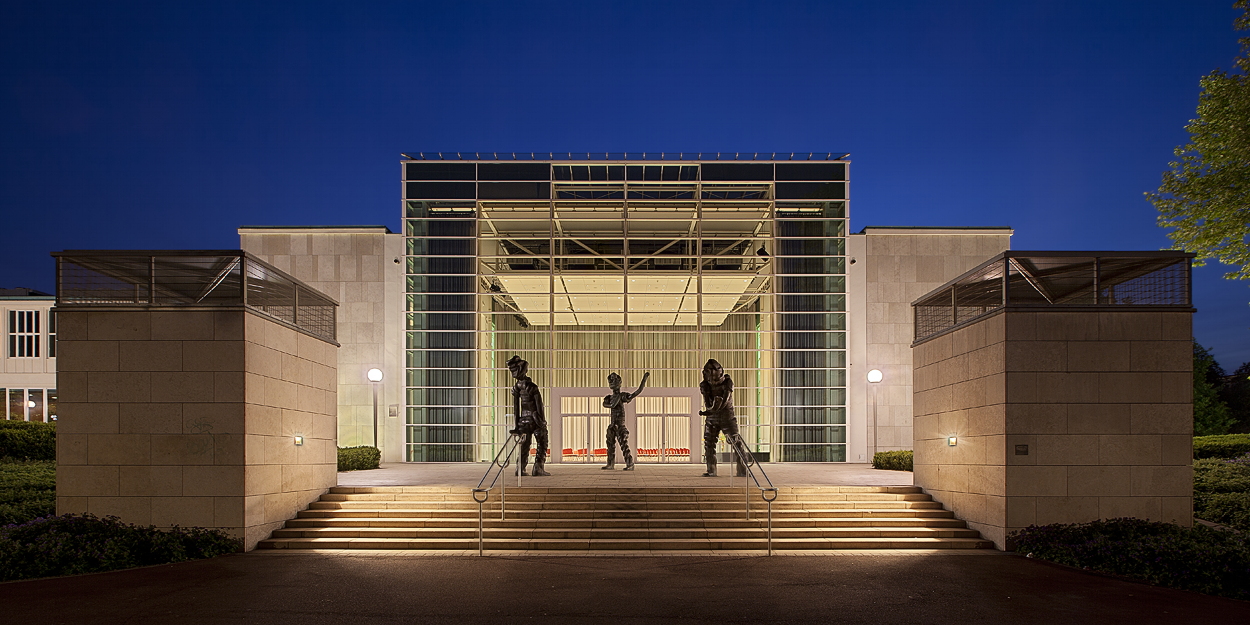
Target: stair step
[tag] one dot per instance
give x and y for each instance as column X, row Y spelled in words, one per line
column 598, row 518
column 804, row 544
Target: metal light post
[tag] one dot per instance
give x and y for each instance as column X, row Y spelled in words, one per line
column 874, row 378
column 375, row 376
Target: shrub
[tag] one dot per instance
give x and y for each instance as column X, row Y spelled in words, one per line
column 27, row 490
column 72, row 545
column 1202, row 559
column 1222, row 491
column 1223, row 446
column 27, row 440
column 893, row 460
column 359, row 458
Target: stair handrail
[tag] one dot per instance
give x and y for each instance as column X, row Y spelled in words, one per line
column 747, row 460
column 502, row 459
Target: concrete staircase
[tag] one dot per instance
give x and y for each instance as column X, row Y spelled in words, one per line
column 665, row 519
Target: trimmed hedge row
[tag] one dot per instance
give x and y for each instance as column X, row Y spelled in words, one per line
column 27, row 440
column 27, row 490
column 359, row 458
column 1201, row 559
column 1222, row 491
column 1221, row 446
column 73, row 545
column 893, row 460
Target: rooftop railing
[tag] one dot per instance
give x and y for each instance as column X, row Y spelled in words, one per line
column 191, row 278
column 1069, row 280
column 624, row 156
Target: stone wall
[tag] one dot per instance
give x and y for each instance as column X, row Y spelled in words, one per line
column 357, row 266
column 892, row 267
column 1059, row 417
column 189, row 418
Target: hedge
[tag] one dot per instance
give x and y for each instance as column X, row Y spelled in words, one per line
column 1202, row 559
column 1221, row 446
column 27, row 490
column 359, row 458
column 27, row 440
column 1222, row 491
column 73, row 545
column 893, row 460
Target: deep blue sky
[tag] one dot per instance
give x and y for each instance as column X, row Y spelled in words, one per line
column 169, row 124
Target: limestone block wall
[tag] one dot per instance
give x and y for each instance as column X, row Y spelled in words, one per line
column 1060, row 417
column 893, row 267
column 189, row 418
column 356, row 266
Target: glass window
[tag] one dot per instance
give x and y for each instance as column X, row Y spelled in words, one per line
column 52, row 404
column 51, row 335
column 34, row 404
column 23, row 334
column 17, row 404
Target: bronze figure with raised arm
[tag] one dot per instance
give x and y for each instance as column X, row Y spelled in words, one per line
column 718, row 399
column 531, row 422
column 617, row 432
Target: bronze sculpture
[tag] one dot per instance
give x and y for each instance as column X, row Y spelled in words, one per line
column 531, row 421
column 718, row 398
column 616, row 428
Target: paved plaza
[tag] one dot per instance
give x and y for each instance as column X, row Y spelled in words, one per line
column 964, row 587
column 644, row 476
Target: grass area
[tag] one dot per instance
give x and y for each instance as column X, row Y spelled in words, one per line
column 27, row 490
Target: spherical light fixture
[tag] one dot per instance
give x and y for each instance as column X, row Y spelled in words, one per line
column 875, row 376
column 375, row 375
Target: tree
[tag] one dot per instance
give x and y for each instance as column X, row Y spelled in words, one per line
column 1205, row 196
column 1211, row 414
column 1235, row 391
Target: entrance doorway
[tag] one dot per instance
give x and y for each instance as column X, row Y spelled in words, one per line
column 663, row 433
column 583, row 421
column 661, row 423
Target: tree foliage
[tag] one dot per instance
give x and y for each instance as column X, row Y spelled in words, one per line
column 1235, row 391
column 1205, row 196
column 1211, row 414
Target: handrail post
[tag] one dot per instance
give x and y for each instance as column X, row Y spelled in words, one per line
column 770, row 525
column 746, row 492
column 480, row 525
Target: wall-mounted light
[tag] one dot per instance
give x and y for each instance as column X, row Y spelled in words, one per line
column 299, row 439
column 875, row 376
column 952, row 441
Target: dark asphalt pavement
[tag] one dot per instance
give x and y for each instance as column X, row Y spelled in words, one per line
column 318, row 589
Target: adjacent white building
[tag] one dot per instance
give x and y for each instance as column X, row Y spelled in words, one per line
column 28, row 375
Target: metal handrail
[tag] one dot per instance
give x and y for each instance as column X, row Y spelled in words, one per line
column 747, row 460
column 502, row 459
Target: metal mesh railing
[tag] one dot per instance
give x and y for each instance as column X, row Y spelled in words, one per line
column 191, row 278
column 1056, row 279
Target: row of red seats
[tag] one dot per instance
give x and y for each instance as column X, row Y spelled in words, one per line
column 670, row 451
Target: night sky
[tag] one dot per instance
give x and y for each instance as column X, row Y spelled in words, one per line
column 169, row 124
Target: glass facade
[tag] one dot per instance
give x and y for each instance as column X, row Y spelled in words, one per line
column 589, row 267
column 32, row 404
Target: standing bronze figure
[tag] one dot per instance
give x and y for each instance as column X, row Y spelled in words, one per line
column 616, row 429
column 531, row 422
column 718, row 399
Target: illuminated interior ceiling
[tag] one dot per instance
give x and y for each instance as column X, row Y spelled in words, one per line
column 599, row 299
